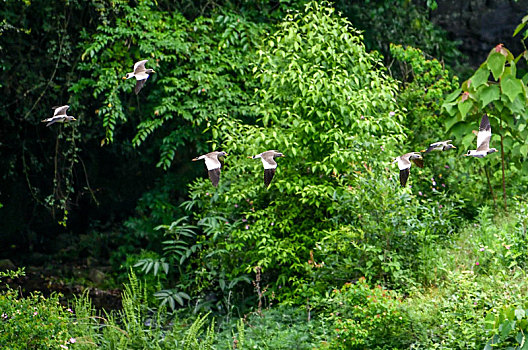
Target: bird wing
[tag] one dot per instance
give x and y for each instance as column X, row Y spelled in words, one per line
column 139, row 85
column 53, row 120
column 404, row 175
column 419, row 162
column 268, row 176
column 484, row 134
column 60, row 110
column 139, row 67
column 431, row 147
column 214, row 176
column 403, row 161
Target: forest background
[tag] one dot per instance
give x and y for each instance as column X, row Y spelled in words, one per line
column 110, row 212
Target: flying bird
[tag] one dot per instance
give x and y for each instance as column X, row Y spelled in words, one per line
column 213, row 165
column 483, row 140
column 404, row 164
column 140, row 73
column 439, row 146
column 270, row 165
column 59, row 116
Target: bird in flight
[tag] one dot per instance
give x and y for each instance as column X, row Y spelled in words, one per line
column 483, row 140
column 404, row 164
column 270, row 165
column 59, row 116
column 141, row 74
column 213, row 165
column 439, row 146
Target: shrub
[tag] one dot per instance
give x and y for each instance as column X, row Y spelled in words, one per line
column 33, row 322
column 361, row 317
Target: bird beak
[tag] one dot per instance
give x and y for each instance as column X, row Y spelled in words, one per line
column 422, row 150
column 153, row 71
column 454, row 147
column 74, row 119
column 124, row 78
column 195, row 159
column 250, row 156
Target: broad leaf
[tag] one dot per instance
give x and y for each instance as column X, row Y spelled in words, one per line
column 480, row 77
column 452, row 96
column 496, row 64
column 515, row 107
column 524, row 150
column 511, row 87
column 488, row 94
column 464, row 107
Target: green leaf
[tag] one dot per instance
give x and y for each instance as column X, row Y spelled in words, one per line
column 511, row 87
column 515, row 107
column 519, row 313
column 464, row 107
column 506, row 328
column 462, row 129
column 480, row 77
column 496, row 62
column 178, row 298
column 519, row 338
column 524, row 151
column 450, row 122
column 450, row 107
column 488, row 94
column 521, row 25
column 452, row 96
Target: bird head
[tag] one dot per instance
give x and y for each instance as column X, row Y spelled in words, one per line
column 469, row 152
column 449, row 146
column 150, row 71
column 278, row 154
column 492, row 150
column 128, row 76
column 223, row 154
column 416, row 155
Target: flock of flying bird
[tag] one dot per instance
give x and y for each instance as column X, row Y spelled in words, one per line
column 213, row 160
column 483, row 149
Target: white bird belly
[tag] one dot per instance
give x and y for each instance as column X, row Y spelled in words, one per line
column 268, row 165
column 212, row 164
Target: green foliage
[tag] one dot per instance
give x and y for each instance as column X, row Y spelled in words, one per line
column 201, row 65
column 192, row 340
column 424, row 84
column 33, row 322
column 401, row 22
column 508, row 326
column 496, row 89
column 362, row 317
column 326, row 104
column 277, row 328
column 135, row 327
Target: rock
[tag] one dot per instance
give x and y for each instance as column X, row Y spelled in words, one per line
column 97, row 276
column 481, row 25
column 6, row 264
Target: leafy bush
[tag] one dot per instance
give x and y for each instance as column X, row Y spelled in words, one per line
column 330, row 117
column 361, row 317
column 33, row 322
